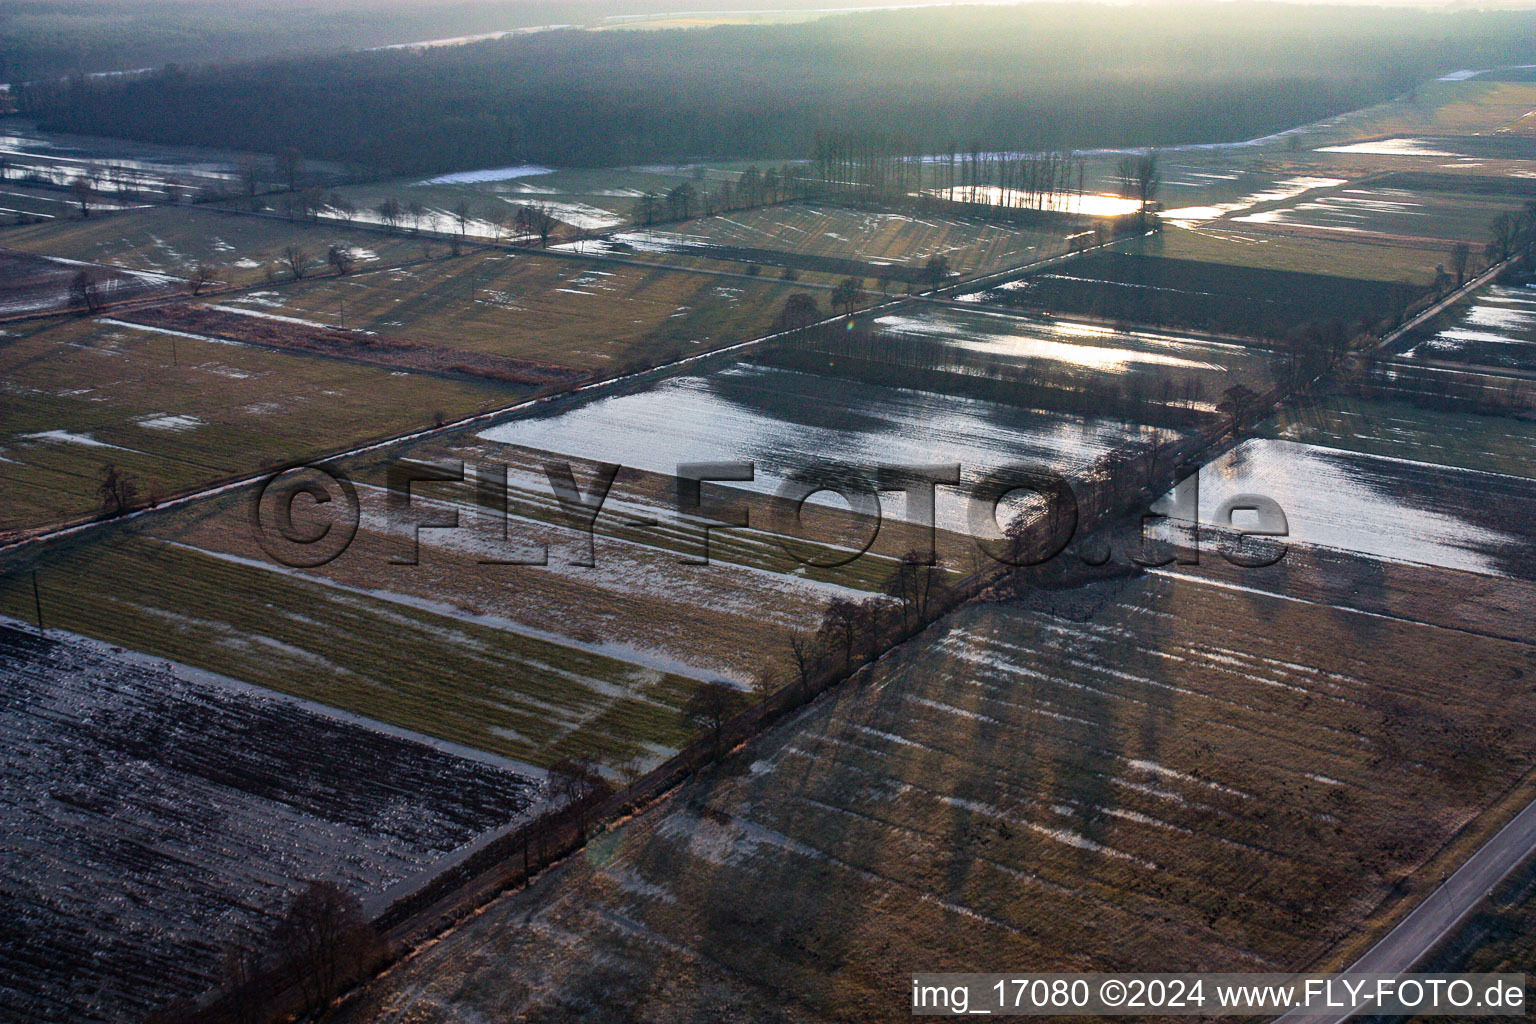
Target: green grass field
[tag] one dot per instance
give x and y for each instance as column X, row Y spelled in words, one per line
column 581, row 199
column 1342, row 256
column 177, row 412
column 533, row 662
column 970, row 246
column 423, row 668
column 1492, row 444
column 1393, row 212
column 176, row 240
column 576, row 313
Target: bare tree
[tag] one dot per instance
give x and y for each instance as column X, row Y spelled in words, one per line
column 1239, row 402
column 843, row 623
column 576, row 783
column 461, row 215
column 346, row 210
column 324, row 940
column 497, row 218
column 340, row 257
column 1505, row 231
column 712, row 705
column 1142, row 178
column 543, row 223
column 250, row 177
column 85, row 291
column 802, row 649
column 916, row 583
column 84, row 193
column 680, row 201
column 1461, row 257
column 203, row 275
column 800, row 310
column 936, row 270
column 289, row 162
column 239, row 971
column 649, row 204
column 118, row 490
column 389, row 213
column 297, row 260
column 847, row 295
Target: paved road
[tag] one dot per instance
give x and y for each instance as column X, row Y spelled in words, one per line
column 1450, row 300
column 1445, row 909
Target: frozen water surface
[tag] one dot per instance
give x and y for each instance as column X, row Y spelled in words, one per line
column 1497, row 327
column 1391, row 509
column 784, row 420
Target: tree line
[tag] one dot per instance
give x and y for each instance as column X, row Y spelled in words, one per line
column 1032, row 79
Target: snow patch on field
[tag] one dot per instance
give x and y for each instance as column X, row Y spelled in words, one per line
column 68, row 437
column 1389, row 147
column 174, row 334
column 626, row 653
column 271, row 316
column 733, row 841
column 488, row 174
column 169, row 421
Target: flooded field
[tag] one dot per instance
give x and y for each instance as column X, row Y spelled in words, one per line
column 1101, row 204
column 1392, row 211
column 785, row 420
column 116, row 166
column 1392, row 509
column 152, row 814
column 1390, row 147
column 38, row 284
column 1197, row 295
column 1100, row 355
column 1286, row 188
column 1406, row 430
column 1495, row 328
column 810, row 238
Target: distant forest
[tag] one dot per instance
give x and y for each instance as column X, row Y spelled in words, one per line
column 55, row 38
column 1047, row 76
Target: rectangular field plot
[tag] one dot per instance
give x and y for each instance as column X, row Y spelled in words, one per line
column 534, row 661
column 1445, row 108
column 1386, row 508
column 434, row 664
column 1151, row 773
column 788, row 421
column 175, row 410
column 1496, row 327
column 572, row 313
column 177, row 240
column 580, row 199
column 28, row 204
column 34, row 284
column 1339, row 255
column 1398, row 429
column 1094, row 364
column 836, row 241
column 152, row 814
column 1448, row 216
column 121, row 170
column 1196, row 295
